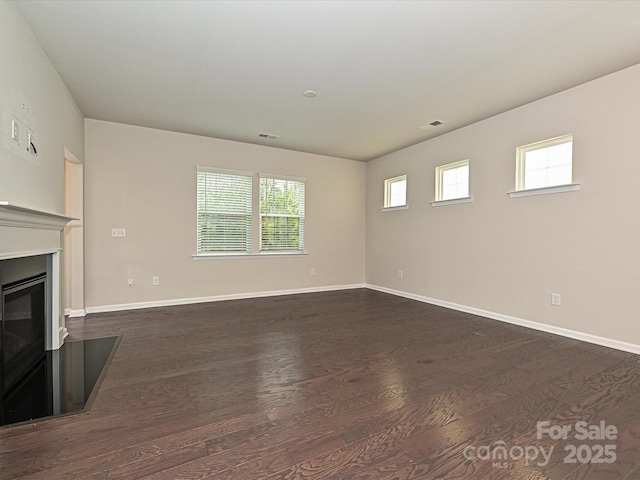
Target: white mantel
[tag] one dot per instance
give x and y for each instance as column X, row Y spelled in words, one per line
column 26, row 232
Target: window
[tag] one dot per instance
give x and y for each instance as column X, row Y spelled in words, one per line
column 224, row 211
column 452, row 181
column 281, row 214
column 242, row 213
column 544, row 164
column 395, row 192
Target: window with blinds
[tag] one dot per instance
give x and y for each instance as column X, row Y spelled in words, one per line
column 281, row 214
column 224, row 211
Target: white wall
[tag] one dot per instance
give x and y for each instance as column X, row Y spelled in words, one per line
column 506, row 256
column 145, row 181
column 31, row 90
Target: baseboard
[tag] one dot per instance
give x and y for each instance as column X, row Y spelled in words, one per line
column 564, row 332
column 74, row 313
column 215, row 298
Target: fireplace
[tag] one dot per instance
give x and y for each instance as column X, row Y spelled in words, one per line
column 22, row 329
column 31, row 243
column 56, row 377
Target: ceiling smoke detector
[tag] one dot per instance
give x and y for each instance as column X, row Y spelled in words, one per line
column 435, row 123
column 268, row 136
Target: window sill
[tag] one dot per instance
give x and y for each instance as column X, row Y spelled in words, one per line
column 453, row 201
column 572, row 187
column 393, row 209
column 211, row 256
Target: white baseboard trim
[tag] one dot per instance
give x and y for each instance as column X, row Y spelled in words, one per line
column 564, row 332
column 74, row 313
column 215, row 298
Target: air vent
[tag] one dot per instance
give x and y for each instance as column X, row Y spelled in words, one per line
column 268, row 136
column 435, row 123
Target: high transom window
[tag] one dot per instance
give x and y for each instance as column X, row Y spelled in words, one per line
column 452, row 181
column 545, row 164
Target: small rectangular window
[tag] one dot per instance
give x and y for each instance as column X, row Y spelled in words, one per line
column 544, row 164
column 281, row 214
column 395, row 192
column 224, row 211
column 452, row 181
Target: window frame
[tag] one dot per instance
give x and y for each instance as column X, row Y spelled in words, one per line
column 254, row 227
column 248, row 214
column 388, row 185
column 523, row 150
column 439, row 183
column 301, row 184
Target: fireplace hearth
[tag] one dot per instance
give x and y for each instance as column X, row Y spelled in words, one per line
column 64, row 381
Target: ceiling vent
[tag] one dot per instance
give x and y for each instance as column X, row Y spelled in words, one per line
column 435, row 123
column 268, row 136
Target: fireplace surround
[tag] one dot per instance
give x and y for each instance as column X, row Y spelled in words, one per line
column 31, row 321
column 31, row 237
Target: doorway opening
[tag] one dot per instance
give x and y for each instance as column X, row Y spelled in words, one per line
column 73, row 264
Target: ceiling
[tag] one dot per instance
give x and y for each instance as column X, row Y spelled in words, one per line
column 381, row 69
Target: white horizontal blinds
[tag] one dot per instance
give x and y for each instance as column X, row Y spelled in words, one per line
column 281, row 214
column 224, row 211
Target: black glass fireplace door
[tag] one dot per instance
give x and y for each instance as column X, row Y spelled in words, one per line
column 22, row 329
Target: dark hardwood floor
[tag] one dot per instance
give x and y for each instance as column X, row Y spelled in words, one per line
column 337, row 385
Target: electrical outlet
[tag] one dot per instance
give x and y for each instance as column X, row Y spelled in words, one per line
column 155, row 281
column 130, row 282
column 400, row 274
column 313, row 271
column 555, row 299
column 118, row 232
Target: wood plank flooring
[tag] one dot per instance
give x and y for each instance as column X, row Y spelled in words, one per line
column 333, row 385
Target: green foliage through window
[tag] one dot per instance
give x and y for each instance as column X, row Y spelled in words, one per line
column 281, row 215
